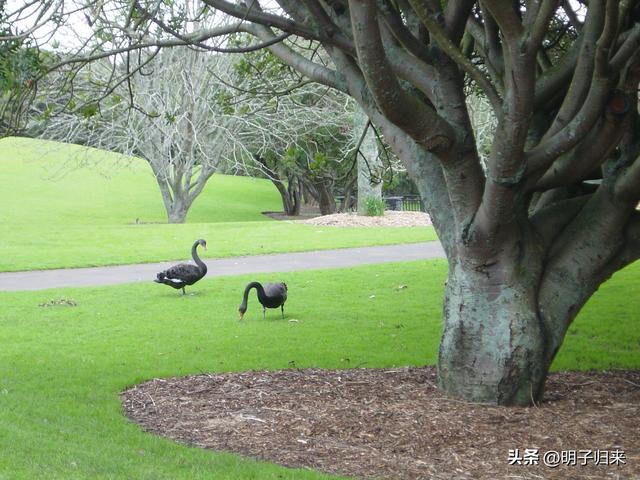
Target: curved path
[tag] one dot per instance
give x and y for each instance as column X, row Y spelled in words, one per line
column 280, row 262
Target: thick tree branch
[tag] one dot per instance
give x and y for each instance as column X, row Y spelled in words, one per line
column 404, row 65
column 628, row 48
column 627, row 187
column 549, row 221
column 330, row 33
column 402, row 33
column 508, row 22
column 454, row 53
column 554, row 81
column 582, row 114
column 506, row 165
column 541, row 19
column 551, row 148
column 463, row 173
column 488, row 49
column 414, row 117
column 493, row 40
column 257, row 16
column 587, row 156
column 591, row 241
column 308, row 68
column 583, row 73
column 455, row 18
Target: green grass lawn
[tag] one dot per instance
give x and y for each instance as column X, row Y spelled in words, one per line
column 55, row 214
column 62, row 367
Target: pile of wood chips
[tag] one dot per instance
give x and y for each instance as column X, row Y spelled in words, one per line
column 391, row 218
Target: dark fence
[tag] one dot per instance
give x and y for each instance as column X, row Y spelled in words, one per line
column 411, row 203
column 407, row 203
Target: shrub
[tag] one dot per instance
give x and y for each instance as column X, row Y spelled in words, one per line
column 374, row 206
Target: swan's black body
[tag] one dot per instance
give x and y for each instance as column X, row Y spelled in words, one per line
column 272, row 295
column 183, row 274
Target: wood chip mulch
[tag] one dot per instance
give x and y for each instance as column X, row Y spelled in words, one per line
column 391, row 218
column 396, row 424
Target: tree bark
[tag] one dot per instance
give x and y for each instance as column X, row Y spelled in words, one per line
column 493, row 344
column 290, row 196
column 177, row 213
column 326, row 201
column 289, row 193
column 293, row 189
column 368, row 163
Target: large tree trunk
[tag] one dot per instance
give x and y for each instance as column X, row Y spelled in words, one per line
column 289, row 194
column 175, row 198
column 291, row 198
column 326, row 201
column 179, row 187
column 176, row 212
column 176, row 201
column 493, row 347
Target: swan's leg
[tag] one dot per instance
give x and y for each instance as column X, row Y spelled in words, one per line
column 282, row 310
column 264, row 313
column 183, row 292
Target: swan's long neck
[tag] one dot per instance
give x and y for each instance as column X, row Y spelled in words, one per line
column 245, row 296
column 196, row 258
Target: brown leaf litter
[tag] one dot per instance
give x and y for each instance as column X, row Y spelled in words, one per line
column 65, row 302
column 396, row 424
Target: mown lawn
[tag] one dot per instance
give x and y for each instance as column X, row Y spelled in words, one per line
column 62, row 367
column 70, row 206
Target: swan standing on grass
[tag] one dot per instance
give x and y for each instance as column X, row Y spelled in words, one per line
column 272, row 295
column 183, row 274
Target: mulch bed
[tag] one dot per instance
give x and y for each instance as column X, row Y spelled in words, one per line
column 396, row 424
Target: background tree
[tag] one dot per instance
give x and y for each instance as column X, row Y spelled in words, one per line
column 528, row 236
column 370, row 168
column 168, row 115
column 298, row 132
column 20, row 66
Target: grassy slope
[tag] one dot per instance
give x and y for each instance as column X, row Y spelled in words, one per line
column 47, row 187
column 61, row 367
column 54, row 215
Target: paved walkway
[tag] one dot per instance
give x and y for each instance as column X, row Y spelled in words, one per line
column 281, row 262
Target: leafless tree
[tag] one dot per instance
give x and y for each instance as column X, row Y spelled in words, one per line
column 176, row 124
column 530, row 236
column 188, row 113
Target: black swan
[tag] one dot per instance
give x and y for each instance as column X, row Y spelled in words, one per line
column 183, row 274
column 272, row 295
